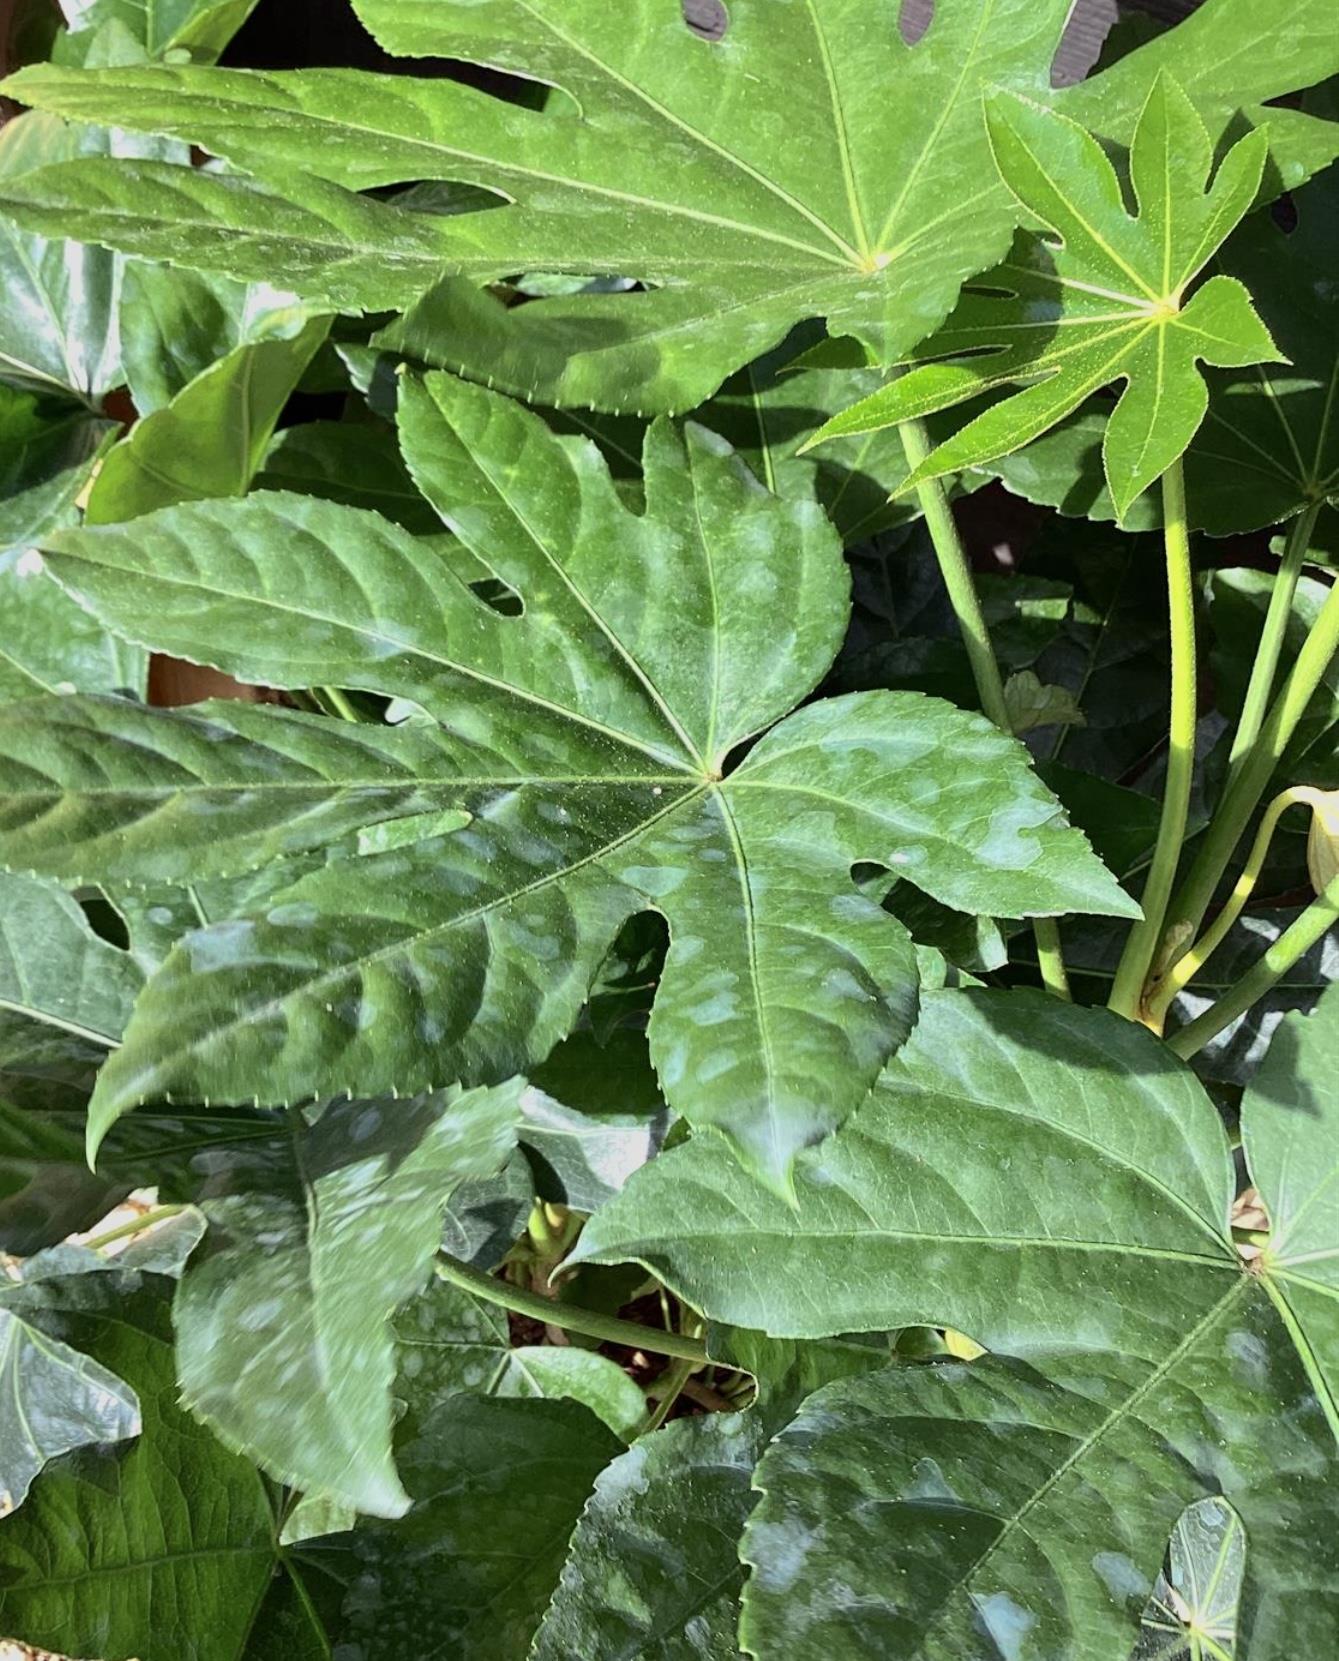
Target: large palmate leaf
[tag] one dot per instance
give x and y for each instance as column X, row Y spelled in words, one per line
column 590, row 740
column 811, row 163
column 284, row 1343
column 53, row 1398
column 1107, row 302
column 1022, row 1504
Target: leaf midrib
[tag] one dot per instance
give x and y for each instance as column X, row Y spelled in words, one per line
column 273, row 1006
column 374, row 636
column 1113, row 1420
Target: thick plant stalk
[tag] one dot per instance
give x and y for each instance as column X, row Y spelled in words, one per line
column 1263, row 671
column 568, row 1316
column 957, row 574
column 1293, row 943
column 1164, row 992
column 1243, row 795
column 1137, row 958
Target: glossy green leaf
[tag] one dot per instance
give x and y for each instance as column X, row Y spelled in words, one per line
column 861, row 192
column 498, row 1487
column 118, row 1553
column 1023, row 1500
column 201, row 27
column 451, row 1344
column 1267, row 448
column 58, row 321
column 55, row 971
column 177, row 324
column 889, row 1213
column 344, row 252
column 653, row 1567
column 211, row 439
column 47, row 452
column 284, row 1343
column 54, row 1399
column 587, row 738
column 1105, row 302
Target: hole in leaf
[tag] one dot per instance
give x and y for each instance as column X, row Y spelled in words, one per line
column 914, row 19
column 708, row 19
column 104, row 919
column 1090, row 21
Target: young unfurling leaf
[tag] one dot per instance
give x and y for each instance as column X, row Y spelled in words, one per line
column 1107, row 296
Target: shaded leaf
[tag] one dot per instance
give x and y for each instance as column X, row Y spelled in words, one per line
column 54, row 1399
column 150, row 1535
column 284, row 1344
column 498, row 1487
column 450, row 1344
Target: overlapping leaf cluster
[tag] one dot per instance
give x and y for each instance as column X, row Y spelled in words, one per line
column 605, row 878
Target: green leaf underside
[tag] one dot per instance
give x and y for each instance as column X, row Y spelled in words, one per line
column 1138, row 1368
column 1107, row 303
column 284, row 1343
column 831, row 199
column 52, row 1398
column 118, row 1552
column 586, row 740
column 55, row 972
column 1197, row 1594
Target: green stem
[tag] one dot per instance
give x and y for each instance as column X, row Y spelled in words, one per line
column 1267, row 652
column 1159, row 1000
column 957, row 574
column 1137, row 958
column 667, row 1390
column 136, row 1225
column 1294, row 942
column 607, row 1328
column 341, row 703
column 1243, row 795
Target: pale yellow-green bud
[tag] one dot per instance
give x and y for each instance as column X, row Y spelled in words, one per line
column 1322, row 844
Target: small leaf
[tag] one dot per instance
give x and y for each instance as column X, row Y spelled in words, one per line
column 211, row 438
column 1108, row 301
column 55, row 1399
column 450, row 1344
column 55, row 971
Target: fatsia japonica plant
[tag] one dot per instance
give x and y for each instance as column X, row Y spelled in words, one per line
column 669, row 823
